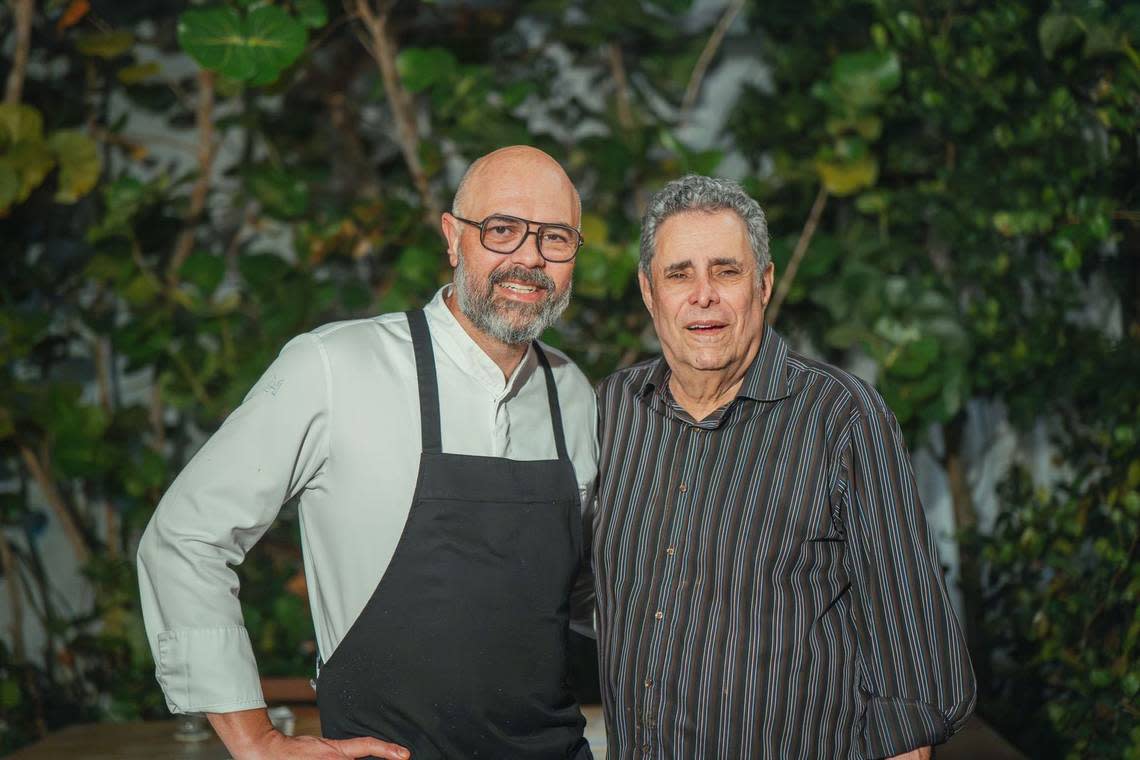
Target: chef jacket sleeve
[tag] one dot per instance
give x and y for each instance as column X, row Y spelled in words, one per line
column 270, row 448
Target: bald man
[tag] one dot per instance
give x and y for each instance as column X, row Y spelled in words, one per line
column 442, row 457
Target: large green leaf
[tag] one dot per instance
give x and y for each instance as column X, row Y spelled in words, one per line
column 20, row 122
column 1102, row 39
column 312, row 13
column 9, row 185
column 204, row 270
column 1056, row 30
column 846, row 177
column 32, row 160
column 282, row 194
column 122, row 200
column 105, row 45
column 263, row 271
column 255, row 47
column 10, row 693
column 139, row 72
column 863, row 79
column 913, row 359
column 79, row 164
column 215, row 38
column 275, row 38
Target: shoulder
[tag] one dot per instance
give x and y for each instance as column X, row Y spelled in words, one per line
column 352, row 340
column 843, row 390
column 628, row 381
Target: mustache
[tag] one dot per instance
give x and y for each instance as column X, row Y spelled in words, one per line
column 524, row 275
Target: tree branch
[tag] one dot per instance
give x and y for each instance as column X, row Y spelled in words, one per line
column 196, row 388
column 621, row 82
column 707, row 54
column 626, row 118
column 104, row 367
column 102, row 351
column 382, row 47
column 50, row 490
column 15, row 599
column 204, row 120
column 798, row 252
column 23, row 10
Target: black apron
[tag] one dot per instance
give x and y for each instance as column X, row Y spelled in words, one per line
column 461, row 651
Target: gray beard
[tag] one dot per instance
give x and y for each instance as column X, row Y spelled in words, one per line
column 509, row 322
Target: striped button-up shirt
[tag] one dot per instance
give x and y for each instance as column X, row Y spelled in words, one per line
column 767, row 586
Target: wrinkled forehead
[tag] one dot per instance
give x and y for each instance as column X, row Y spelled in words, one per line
column 702, row 238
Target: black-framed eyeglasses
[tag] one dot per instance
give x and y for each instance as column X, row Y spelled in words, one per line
column 506, row 234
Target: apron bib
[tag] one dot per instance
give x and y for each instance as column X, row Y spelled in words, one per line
column 460, row 651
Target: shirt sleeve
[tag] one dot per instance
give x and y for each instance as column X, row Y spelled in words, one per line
column 915, row 675
column 270, row 448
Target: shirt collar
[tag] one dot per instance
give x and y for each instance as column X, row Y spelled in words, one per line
column 454, row 341
column 765, row 380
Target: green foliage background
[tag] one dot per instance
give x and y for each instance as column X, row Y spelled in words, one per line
column 952, row 189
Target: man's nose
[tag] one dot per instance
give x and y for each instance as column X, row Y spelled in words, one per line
column 704, row 292
column 527, row 254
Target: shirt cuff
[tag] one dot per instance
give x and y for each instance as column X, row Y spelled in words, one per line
column 895, row 726
column 208, row 670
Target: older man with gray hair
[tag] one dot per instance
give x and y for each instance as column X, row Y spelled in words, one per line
column 767, row 586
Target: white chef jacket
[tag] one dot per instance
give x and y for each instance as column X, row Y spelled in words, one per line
column 336, row 419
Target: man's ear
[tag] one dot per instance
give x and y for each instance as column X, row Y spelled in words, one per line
column 766, row 280
column 646, row 290
column 449, row 225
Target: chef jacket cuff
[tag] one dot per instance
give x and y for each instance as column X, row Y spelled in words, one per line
column 896, row 726
column 208, row 670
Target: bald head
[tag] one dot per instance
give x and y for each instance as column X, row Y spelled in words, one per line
column 516, row 168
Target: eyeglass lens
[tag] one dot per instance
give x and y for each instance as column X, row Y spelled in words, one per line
column 505, row 234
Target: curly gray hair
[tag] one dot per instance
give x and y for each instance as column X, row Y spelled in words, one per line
column 694, row 192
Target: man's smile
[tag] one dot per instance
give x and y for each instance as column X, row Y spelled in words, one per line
column 706, row 327
column 522, row 291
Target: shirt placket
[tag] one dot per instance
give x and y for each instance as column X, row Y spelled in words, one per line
column 684, row 486
column 500, row 426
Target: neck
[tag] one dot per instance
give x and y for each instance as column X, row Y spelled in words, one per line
column 505, row 355
column 701, row 392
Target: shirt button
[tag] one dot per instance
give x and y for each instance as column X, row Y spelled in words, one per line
column 645, row 748
column 671, row 551
column 659, row 614
column 682, row 488
column 648, row 683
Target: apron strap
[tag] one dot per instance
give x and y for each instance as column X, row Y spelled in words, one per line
column 555, row 409
column 429, row 387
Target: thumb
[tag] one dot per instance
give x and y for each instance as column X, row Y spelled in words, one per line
column 366, row 746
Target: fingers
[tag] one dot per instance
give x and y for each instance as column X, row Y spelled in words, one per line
column 369, row 747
